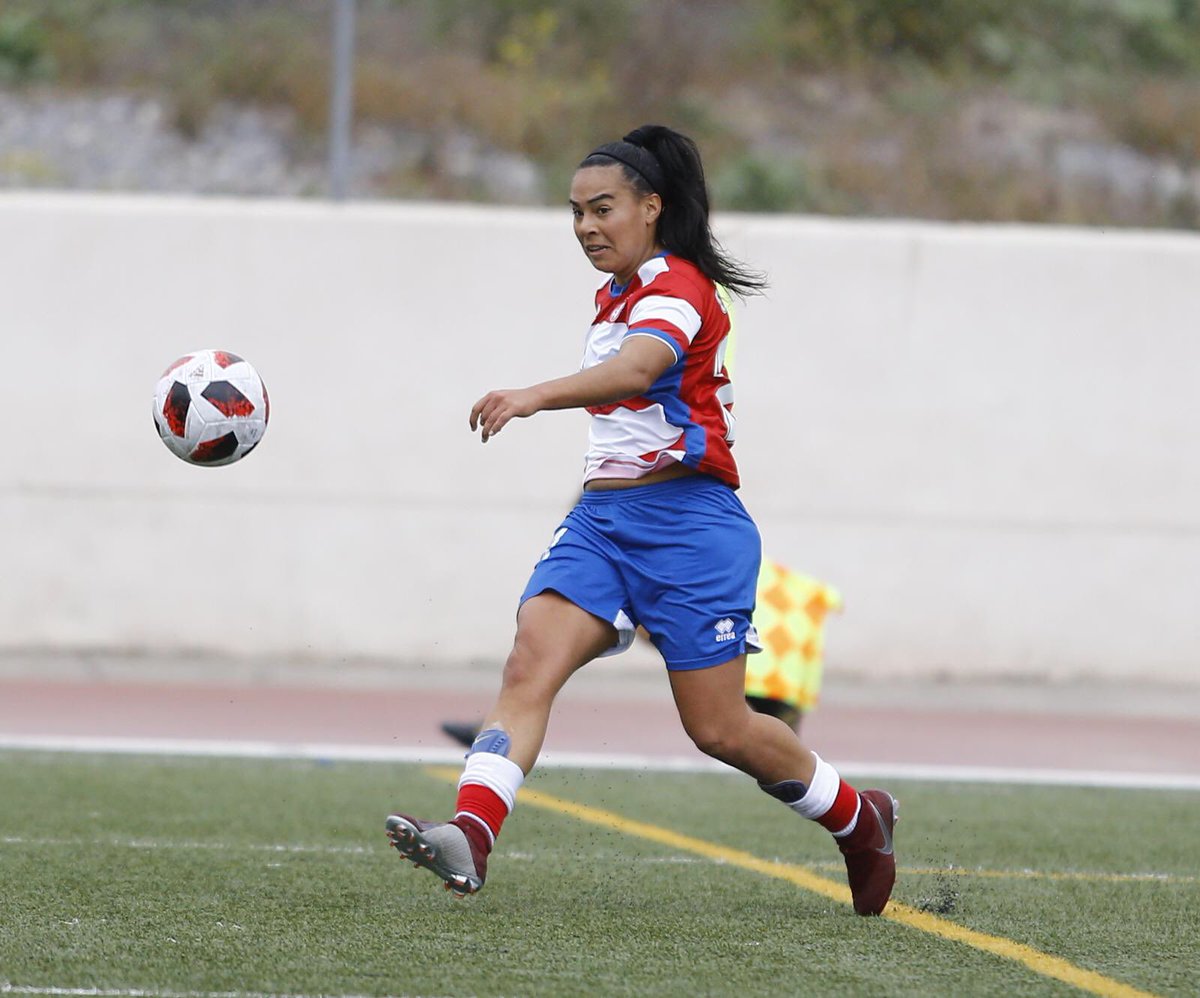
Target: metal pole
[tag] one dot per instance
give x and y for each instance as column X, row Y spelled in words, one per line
column 341, row 98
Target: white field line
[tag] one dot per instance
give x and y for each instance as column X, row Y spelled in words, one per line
column 8, row 988
column 586, row 760
column 20, row 840
column 44, row 842
column 519, row 856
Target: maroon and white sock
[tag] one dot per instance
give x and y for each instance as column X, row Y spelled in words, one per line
column 826, row 799
column 487, row 793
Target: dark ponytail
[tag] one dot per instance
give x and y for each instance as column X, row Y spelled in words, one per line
column 657, row 159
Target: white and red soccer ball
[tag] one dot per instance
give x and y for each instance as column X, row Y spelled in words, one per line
column 211, row 407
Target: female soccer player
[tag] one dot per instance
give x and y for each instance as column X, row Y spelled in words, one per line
column 659, row 537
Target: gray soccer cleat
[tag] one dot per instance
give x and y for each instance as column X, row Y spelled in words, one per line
column 442, row 847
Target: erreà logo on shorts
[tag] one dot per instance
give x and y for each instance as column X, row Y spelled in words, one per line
column 724, row 628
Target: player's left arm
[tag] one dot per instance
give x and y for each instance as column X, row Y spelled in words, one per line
column 636, row 366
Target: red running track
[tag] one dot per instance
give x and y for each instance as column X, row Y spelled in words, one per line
column 608, row 724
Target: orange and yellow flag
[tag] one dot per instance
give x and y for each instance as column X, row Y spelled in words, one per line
column 790, row 618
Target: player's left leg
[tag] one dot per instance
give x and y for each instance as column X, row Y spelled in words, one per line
column 786, row 712
column 716, row 717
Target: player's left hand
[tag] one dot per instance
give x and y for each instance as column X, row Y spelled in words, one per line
column 491, row 412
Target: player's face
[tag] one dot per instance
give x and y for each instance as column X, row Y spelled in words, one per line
column 614, row 224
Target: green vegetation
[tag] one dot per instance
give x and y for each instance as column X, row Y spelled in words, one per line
column 274, row 877
column 970, row 109
column 24, row 52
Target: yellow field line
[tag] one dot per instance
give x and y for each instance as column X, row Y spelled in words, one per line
column 1037, row 961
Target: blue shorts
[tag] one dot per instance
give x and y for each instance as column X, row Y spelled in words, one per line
column 679, row 557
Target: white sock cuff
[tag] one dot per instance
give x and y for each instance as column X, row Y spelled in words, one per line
column 496, row 772
column 822, row 790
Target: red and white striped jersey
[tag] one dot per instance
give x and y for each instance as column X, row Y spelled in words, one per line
column 687, row 414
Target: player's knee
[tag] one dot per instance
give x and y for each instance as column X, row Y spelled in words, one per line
column 525, row 672
column 721, row 741
column 520, row 668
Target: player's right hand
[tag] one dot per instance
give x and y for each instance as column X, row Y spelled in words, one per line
column 495, row 409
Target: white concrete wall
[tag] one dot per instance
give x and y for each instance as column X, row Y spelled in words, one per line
column 986, row 437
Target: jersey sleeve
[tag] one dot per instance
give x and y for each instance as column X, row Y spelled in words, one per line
column 666, row 315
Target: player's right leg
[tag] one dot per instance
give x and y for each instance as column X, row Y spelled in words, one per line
column 554, row 639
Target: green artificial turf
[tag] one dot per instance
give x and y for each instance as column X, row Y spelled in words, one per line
column 199, row 876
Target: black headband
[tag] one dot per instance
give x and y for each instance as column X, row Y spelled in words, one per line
column 639, row 159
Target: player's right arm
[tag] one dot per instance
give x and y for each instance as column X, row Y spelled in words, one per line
column 636, row 366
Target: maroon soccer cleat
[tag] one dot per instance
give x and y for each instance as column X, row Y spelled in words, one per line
column 870, row 861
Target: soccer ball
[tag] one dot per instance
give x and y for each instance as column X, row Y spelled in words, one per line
column 211, row 407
